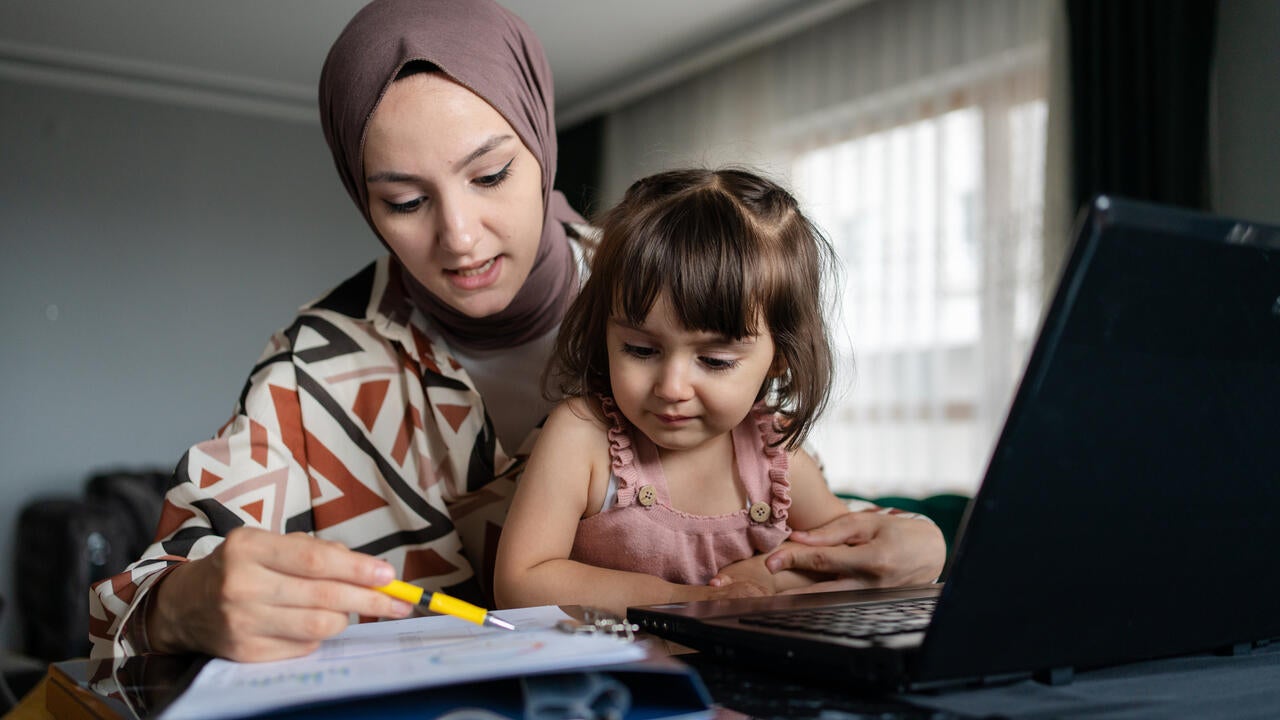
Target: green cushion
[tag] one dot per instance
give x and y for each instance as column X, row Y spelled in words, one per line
column 945, row 509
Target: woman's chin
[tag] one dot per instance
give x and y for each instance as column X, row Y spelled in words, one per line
column 479, row 304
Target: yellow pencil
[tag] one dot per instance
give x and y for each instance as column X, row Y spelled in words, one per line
column 438, row 602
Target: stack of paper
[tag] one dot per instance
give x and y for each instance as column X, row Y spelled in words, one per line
column 385, row 657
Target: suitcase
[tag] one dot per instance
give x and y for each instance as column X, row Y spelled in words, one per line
column 65, row 544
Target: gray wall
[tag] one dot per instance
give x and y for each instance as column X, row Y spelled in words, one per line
column 149, row 250
column 1247, row 173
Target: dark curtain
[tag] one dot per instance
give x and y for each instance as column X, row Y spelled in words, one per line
column 579, row 164
column 1140, row 98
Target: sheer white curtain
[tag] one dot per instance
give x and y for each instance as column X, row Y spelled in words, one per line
column 913, row 132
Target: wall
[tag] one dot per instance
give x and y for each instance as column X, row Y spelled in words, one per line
column 149, row 250
column 1247, row 177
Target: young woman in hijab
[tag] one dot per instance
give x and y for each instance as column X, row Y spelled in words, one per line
column 361, row 449
column 380, row 433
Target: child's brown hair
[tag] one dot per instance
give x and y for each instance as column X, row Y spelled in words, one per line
column 730, row 248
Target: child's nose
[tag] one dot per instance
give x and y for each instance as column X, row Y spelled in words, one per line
column 673, row 382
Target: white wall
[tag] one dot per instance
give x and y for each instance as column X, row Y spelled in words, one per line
column 148, row 251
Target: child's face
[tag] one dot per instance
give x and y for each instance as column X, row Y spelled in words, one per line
column 683, row 388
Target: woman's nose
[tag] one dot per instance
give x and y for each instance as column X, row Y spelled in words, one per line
column 457, row 230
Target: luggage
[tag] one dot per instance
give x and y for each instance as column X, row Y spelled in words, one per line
column 65, row 544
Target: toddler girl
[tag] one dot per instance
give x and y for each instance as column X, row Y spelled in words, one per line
column 696, row 360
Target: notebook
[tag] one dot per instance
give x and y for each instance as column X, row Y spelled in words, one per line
column 1129, row 509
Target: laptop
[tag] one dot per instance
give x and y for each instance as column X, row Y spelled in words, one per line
column 1130, row 509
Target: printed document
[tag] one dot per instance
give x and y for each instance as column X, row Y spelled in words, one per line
column 384, row 657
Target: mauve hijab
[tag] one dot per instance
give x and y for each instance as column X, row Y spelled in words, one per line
column 493, row 53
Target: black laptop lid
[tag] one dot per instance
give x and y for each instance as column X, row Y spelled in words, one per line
column 1131, row 508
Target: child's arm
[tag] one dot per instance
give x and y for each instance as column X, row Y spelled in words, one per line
column 533, row 566
column 812, row 505
column 812, row 502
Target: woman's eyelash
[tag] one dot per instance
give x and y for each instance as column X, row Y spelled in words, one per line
column 406, row 207
column 497, row 178
column 485, row 181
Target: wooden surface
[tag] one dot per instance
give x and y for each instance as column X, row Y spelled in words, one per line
column 32, row 706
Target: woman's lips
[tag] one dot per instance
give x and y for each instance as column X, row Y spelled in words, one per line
column 477, row 276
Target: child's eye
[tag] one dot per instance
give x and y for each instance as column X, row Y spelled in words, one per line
column 496, row 179
column 715, row 363
column 406, row 207
column 639, row 351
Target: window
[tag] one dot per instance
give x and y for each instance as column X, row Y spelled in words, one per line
column 913, row 132
column 939, row 294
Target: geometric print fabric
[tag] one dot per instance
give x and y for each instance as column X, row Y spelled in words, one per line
column 356, row 425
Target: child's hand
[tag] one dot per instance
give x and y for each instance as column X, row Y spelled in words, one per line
column 730, row 588
column 754, row 570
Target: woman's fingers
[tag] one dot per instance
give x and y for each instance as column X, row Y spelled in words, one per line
column 298, row 570
column 830, row 586
column 262, row 596
column 847, row 529
column 842, row 560
column 882, row 550
column 303, row 556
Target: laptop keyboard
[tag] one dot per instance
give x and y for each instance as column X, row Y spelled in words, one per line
column 853, row 621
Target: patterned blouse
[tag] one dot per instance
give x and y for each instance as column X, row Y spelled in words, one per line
column 356, row 425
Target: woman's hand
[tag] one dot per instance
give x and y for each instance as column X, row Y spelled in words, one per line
column 865, row 549
column 263, row 596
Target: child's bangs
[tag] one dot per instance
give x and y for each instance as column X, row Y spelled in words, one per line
column 705, row 257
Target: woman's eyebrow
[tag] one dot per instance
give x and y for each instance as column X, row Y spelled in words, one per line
column 485, row 148
column 392, row 176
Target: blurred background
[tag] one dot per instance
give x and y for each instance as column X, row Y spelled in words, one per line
column 167, row 199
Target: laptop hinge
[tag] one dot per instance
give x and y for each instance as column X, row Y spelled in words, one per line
column 1055, row 676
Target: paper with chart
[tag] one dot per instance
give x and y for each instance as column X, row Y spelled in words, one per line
column 384, row 657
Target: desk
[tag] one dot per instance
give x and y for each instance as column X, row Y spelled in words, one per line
column 1194, row 686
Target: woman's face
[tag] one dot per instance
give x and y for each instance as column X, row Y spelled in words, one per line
column 454, row 192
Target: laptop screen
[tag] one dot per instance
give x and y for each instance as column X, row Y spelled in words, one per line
column 1128, row 509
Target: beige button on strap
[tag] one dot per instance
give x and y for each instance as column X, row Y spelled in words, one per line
column 760, row 512
column 647, row 495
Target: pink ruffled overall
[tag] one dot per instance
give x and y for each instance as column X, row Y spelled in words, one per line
column 641, row 532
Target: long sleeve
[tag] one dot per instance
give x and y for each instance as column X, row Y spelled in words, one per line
column 354, row 426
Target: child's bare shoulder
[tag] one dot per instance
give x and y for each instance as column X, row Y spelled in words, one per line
column 580, row 416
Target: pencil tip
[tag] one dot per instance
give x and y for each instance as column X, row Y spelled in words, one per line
column 498, row 622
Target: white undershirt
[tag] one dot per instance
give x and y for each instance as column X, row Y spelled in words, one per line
column 510, row 381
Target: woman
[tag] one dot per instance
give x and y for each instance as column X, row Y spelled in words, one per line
column 380, row 433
